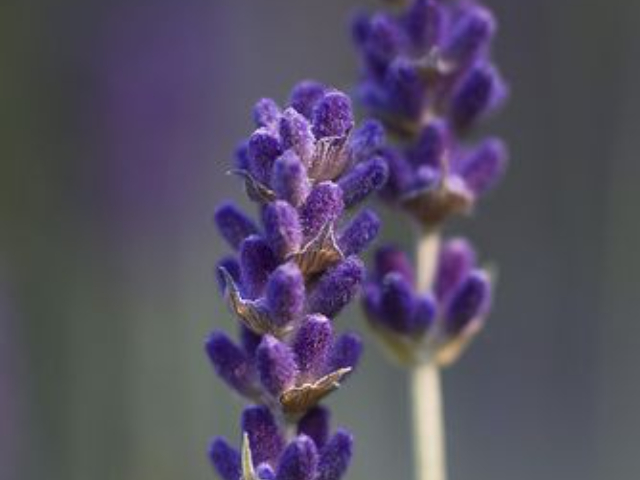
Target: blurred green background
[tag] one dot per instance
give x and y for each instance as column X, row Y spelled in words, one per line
column 118, row 120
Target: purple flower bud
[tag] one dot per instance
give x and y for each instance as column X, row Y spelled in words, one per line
column 230, row 363
column 470, row 36
column 324, row 204
column 299, row 461
column 231, row 265
column 249, row 341
column 264, row 148
column 359, row 27
column 423, row 314
column 276, row 365
column 315, row 424
column 397, row 303
column 265, row 472
column 265, row 439
column 391, row 259
column 282, row 228
column 431, row 145
column 285, row 294
column 266, row 113
column 384, row 40
column 242, row 156
column 335, row 456
column 484, row 166
column 478, row 92
column 257, row 261
column 470, row 302
column 405, row 88
column 367, row 140
column 296, row 134
column 332, row 116
column 346, row 352
column 337, row 287
column 290, row 180
column 401, row 174
column 359, row 233
column 362, row 180
column 233, row 224
column 423, row 23
column 371, row 297
column 456, row 259
column 312, row 345
column 225, row 459
column 306, row 95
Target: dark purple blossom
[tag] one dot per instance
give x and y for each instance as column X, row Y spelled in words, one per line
column 419, row 326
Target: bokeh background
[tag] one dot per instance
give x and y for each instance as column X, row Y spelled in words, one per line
column 118, row 120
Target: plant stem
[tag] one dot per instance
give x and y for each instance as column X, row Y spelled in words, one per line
column 426, row 391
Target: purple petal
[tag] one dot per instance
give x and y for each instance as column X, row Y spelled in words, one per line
column 282, row 228
column 265, row 439
column 363, row 179
column 230, row 362
column 233, row 224
column 276, row 365
column 264, row 148
column 265, row 472
column 296, row 134
column 470, row 36
column 470, row 302
column 456, row 259
column 384, row 40
column 346, row 352
column 299, row 461
column 360, row 232
column 323, row 205
column 391, row 259
column 315, row 424
column 312, row 345
column 484, row 166
column 266, row 113
column 367, row 140
column 332, row 116
column 290, row 179
column 257, row 261
column 285, row 294
column 423, row 23
column 397, row 304
column 431, row 146
column 337, row 287
column 424, row 313
column 335, row 457
column 405, row 88
column 225, row 459
column 306, row 95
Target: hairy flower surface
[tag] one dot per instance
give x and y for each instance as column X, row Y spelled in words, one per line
column 290, row 274
column 427, row 74
column 428, row 326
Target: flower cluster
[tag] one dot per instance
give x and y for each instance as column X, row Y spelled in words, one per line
column 427, row 74
column 291, row 273
column 429, row 326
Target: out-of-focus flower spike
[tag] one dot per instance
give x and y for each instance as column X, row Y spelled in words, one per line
column 363, row 179
column 424, row 314
column 296, row 134
column 346, row 352
column 470, row 302
column 266, row 113
column 359, row 233
column 391, row 259
column 401, row 174
column 290, row 179
column 335, row 456
column 306, row 95
column 405, row 88
column 335, row 289
column 384, row 40
column 315, row 424
column 257, row 261
column 225, row 459
column 230, row 363
column 276, row 365
column 333, row 115
column 367, row 140
column 282, row 228
column 431, row 146
column 264, row 147
column 233, row 224
column 397, row 303
column 471, row 35
column 484, row 166
column 263, row 434
column 299, row 460
column 318, row 254
column 479, row 91
column 456, row 259
column 324, row 204
column 285, row 295
column 312, row 345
